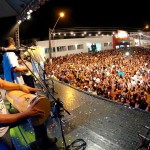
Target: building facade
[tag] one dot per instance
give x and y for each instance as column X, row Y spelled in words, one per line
column 62, row 47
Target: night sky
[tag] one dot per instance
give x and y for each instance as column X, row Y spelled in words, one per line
column 80, row 13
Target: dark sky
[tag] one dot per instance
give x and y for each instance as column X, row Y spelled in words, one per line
column 81, row 13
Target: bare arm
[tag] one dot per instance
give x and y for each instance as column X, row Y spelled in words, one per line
column 20, row 69
column 9, row 119
column 6, row 119
column 13, row 86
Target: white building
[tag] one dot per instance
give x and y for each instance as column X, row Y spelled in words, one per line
column 63, row 47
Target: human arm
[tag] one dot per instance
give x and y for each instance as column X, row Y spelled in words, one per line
column 10, row 119
column 13, row 86
column 20, row 61
column 20, row 69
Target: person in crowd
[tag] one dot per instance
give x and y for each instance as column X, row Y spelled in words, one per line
column 8, row 120
column 12, row 71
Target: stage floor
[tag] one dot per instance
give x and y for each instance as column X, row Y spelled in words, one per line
column 102, row 124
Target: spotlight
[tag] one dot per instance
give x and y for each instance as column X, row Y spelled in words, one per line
column 19, row 21
column 30, row 11
column 28, row 17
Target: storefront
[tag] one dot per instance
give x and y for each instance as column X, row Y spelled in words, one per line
column 121, row 40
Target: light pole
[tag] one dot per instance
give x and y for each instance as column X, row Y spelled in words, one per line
column 50, row 36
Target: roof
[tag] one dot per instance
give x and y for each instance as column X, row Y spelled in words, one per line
column 12, row 7
column 17, row 7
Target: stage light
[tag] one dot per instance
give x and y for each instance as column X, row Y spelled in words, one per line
column 19, row 21
column 32, row 6
column 28, row 17
column 29, row 12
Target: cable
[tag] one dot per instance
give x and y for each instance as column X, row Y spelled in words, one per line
column 78, row 144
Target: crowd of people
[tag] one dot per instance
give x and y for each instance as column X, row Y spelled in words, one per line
column 110, row 73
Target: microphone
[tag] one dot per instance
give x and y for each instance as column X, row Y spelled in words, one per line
column 147, row 127
column 27, row 47
column 4, row 49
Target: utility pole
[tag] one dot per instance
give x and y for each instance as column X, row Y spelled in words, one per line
column 50, row 45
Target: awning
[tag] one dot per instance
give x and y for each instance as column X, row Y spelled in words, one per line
column 18, row 8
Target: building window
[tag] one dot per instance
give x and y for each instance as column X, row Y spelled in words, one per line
column 61, row 48
column 110, row 43
column 105, row 44
column 46, row 50
column 71, row 47
column 53, row 49
column 80, row 46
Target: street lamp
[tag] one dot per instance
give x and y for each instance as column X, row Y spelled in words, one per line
column 50, row 36
column 146, row 27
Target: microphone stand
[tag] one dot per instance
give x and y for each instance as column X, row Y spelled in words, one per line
column 57, row 108
column 37, row 70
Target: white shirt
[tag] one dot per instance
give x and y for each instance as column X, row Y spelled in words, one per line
column 10, row 60
column 37, row 54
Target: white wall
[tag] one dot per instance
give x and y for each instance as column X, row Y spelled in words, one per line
column 77, row 41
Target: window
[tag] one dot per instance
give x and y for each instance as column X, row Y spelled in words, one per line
column 71, row 47
column 53, row 49
column 80, row 46
column 105, row 44
column 110, row 43
column 46, row 50
column 61, row 48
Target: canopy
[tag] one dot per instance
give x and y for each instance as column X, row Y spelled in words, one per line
column 18, row 7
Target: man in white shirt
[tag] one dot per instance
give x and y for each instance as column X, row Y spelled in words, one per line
column 12, row 71
column 37, row 58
